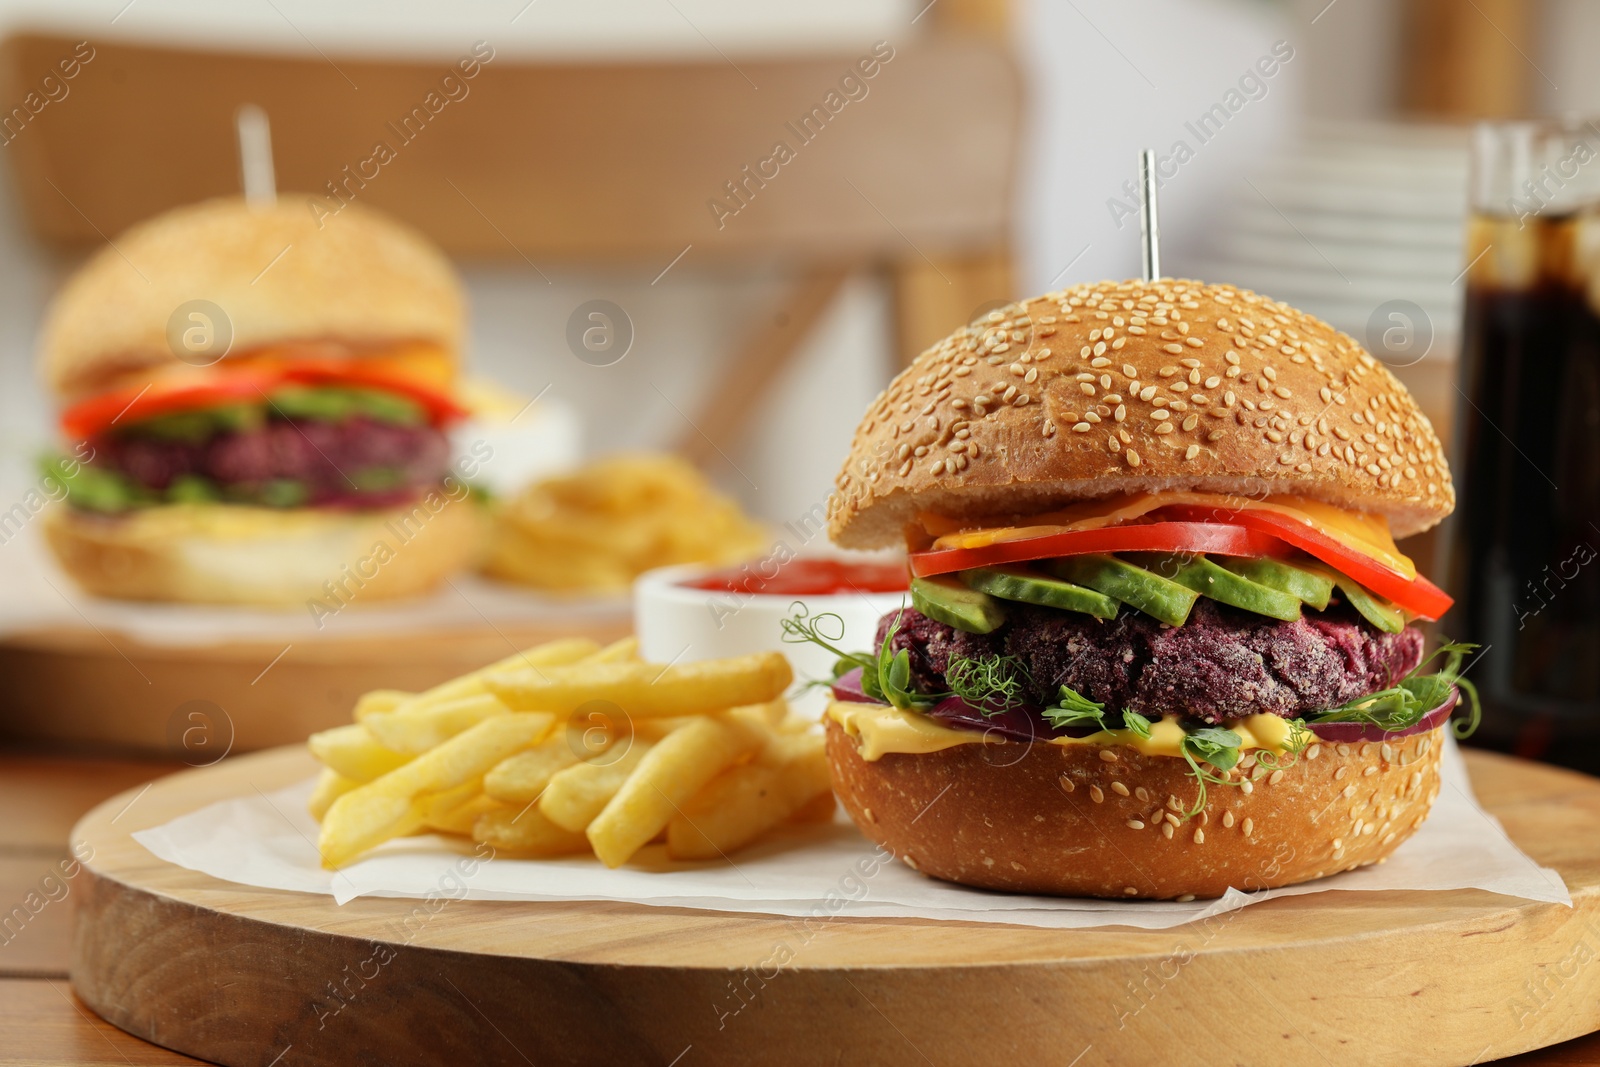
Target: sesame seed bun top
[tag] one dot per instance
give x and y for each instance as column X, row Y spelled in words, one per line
column 1138, row 386
column 362, row 278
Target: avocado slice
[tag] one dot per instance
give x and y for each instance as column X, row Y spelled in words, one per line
column 948, row 601
column 1209, row 580
column 284, row 493
column 1030, row 587
column 1138, row 588
column 193, row 489
column 1311, row 587
column 337, row 403
column 1379, row 612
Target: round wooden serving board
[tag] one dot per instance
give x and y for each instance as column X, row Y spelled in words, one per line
column 251, row 976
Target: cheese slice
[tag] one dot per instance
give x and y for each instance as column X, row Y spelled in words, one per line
column 1358, row 531
column 880, row 730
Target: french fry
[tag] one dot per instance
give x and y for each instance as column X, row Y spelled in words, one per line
column 576, row 795
column 747, row 800
column 527, row 831
column 362, row 820
column 646, row 690
column 675, row 768
column 460, row 818
column 521, row 779
column 567, row 650
column 418, row 730
column 430, row 719
column 331, row 785
column 379, row 701
column 383, row 808
column 353, row 752
column 625, row 650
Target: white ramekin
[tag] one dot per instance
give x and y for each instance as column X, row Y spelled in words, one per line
column 677, row 624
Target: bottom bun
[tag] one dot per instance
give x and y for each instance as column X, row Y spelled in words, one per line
column 1092, row 821
column 228, row 554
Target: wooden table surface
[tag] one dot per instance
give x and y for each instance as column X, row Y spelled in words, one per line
column 43, row 1023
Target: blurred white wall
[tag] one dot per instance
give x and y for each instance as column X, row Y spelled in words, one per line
column 1110, row 78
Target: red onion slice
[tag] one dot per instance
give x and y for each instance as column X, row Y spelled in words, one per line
column 1356, row 732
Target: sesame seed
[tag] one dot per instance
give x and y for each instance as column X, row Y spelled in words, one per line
column 1100, row 361
column 1172, row 819
column 1133, row 458
column 1369, row 772
column 1343, row 772
column 1166, row 830
column 1314, row 752
column 1248, row 826
column 1191, row 452
column 1199, row 836
column 1227, row 819
column 1111, row 757
column 1118, row 788
column 1081, row 427
column 1135, row 824
column 1096, row 795
column 1247, row 787
column 1128, row 371
column 1130, row 891
column 1275, row 777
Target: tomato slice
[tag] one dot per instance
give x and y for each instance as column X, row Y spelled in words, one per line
column 1223, row 539
column 97, row 414
column 1417, row 595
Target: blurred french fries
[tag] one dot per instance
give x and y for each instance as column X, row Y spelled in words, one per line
column 598, row 528
column 570, row 748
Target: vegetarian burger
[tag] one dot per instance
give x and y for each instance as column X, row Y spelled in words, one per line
column 1160, row 638
column 258, row 409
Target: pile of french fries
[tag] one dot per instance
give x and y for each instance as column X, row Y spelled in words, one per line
column 598, row 528
column 569, row 748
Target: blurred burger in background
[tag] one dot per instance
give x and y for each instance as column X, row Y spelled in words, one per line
column 258, row 407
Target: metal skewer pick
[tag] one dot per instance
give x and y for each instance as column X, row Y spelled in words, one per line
column 256, row 172
column 1149, row 225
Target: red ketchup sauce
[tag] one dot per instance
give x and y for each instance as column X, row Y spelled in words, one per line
column 807, row 577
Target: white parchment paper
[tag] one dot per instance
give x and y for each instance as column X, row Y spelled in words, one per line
column 267, row 840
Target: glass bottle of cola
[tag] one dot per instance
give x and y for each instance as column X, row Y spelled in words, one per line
column 1524, row 541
